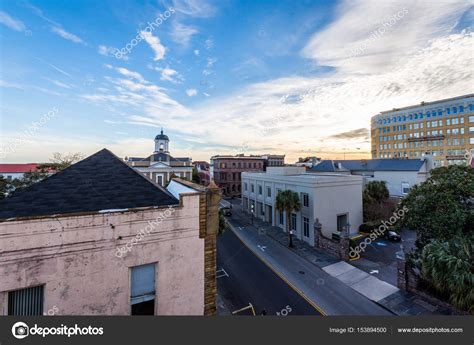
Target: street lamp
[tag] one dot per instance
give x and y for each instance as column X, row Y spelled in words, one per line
column 251, row 212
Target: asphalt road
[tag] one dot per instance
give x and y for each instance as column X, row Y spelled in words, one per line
column 246, row 279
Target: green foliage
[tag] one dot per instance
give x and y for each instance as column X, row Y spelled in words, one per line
column 448, row 267
column 222, row 223
column 442, row 207
column 289, row 202
column 375, row 192
column 58, row 163
column 375, row 201
column 441, row 210
column 196, row 178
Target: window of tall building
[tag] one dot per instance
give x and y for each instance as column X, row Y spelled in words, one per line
column 269, row 192
column 448, row 111
column 461, row 109
column 455, row 110
column 471, row 119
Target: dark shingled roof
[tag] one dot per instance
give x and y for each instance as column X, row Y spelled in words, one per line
column 99, row 182
column 369, row 165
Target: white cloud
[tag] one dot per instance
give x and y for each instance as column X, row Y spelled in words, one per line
column 211, row 62
column 181, row 33
column 169, row 74
column 60, row 84
column 111, row 51
column 196, row 52
column 194, row 8
column 12, row 23
column 155, row 44
column 8, row 85
column 131, row 74
column 209, row 43
column 396, row 28
column 66, row 35
column 191, row 92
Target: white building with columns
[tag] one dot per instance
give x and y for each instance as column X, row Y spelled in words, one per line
column 334, row 199
column 161, row 166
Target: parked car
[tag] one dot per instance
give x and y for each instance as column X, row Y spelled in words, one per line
column 392, row 236
column 226, row 208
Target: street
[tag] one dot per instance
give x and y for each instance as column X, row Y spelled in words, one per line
column 245, row 281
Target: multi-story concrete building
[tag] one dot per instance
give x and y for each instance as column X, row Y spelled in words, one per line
column 226, row 171
column 334, row 199
column 443, row 128
column 98, row 238
column 160, row 167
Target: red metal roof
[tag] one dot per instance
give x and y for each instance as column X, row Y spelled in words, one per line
column 17, row 168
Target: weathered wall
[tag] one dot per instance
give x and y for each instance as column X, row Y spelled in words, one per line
column 77, row 260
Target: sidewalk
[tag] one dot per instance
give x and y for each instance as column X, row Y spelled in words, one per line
column 357, row 281
column 326, row 293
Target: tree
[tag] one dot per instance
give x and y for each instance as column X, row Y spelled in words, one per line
column 58, row 162
column 375, row 192
column 441, row 210
column 375, row 201
column 448, row 267
column 222, row 223
column 196, row 178
column 289, row 202
column 442, row 207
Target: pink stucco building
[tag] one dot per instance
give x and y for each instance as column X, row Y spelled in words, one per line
column 98, row 238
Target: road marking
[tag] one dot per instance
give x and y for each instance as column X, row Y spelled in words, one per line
column 250, row 306
column 374, row 271
column 221, row 273
column 262, row 248
column 298, row 291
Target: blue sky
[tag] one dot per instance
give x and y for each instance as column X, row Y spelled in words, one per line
column 294, row 77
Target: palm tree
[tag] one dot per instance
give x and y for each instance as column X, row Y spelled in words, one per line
column 289, row 202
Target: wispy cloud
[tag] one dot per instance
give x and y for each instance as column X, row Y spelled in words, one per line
column 66, row 35
column 11, row 85
column 155, row 44
column 60, row 84
column 191, row 92
column 194, row 8
column 169, row 74
column 181, row 33
column 360, row 133
column 12, row 23
column 356, row 20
